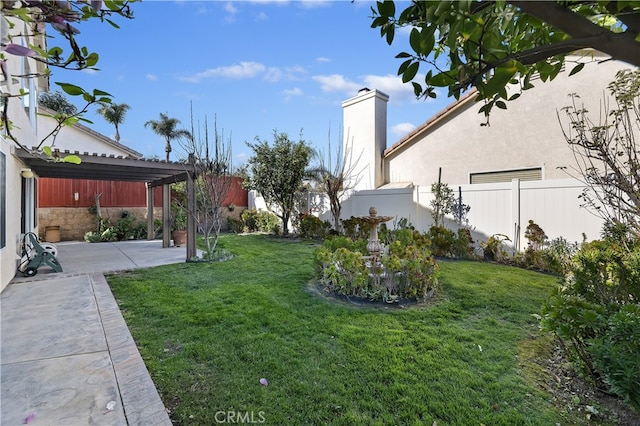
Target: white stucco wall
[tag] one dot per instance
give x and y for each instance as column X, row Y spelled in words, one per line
column 527, row 134
column 23, row 123
column 75, row 138
column 10, row 253
column 365, row 136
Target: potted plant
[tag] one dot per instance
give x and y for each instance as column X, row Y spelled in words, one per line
column 178, row 225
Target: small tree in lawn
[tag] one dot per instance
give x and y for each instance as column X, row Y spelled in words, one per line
column 277, row 172
column 335, row 175
column 608, row 157
column 212, row 164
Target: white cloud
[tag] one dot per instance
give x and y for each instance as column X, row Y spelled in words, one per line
column 275, row 74
column 231, row 12
column 296, row 91
column 337, row 83
column 323, row 59
column 230, row 8
column 242, row 70
column 402, row 129
column 289, row 93
column 151, row 77
column 393, row 86
column 261, row 17
column 308, row 4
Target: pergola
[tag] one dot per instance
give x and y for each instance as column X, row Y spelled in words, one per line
column 109, row 167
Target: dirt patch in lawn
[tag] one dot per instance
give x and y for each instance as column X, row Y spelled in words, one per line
column 545, row 364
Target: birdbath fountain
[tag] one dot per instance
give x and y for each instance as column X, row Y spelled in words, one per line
column 373, row 246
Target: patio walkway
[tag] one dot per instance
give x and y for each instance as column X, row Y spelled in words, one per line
column 67, row 357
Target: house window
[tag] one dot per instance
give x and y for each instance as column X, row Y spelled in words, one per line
column 3, row 200
column 506, row 175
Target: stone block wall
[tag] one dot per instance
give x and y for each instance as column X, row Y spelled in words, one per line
column 75, row 222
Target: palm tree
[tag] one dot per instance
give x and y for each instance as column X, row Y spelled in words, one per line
column 166, row 127
column 114, row 114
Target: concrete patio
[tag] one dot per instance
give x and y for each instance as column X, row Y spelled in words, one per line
column 67, row 357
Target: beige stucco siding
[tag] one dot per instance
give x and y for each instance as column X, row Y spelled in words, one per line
column 525, row 135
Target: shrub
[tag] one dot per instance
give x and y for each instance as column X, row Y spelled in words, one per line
column 596, row 313
column 250, row 220
column 406, row 271
column 234, row 225
column 311, row 226
column 268, row 222
column 355, row 228
column 259, row 220
column 615, row 354
column 557, row 256
column 493, row 248
column 463, row 245
column 442, row 240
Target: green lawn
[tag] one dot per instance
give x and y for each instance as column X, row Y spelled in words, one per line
column 209, row 332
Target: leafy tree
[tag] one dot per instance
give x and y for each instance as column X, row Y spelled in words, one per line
column 114, row 114
column 58, row 102
column 498, row 46
column 277, row 172
column 607, row 154
column 31, row 20
column 167, row 127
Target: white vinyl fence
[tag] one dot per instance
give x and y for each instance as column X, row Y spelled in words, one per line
column 496, row 208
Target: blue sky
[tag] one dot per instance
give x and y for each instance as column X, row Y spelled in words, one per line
column 255, row 66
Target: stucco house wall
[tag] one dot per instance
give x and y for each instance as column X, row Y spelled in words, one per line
column 526, row 135
column 81, row 138
column 22, row 114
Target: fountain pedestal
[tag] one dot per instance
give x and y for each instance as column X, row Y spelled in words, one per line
column 373, row 246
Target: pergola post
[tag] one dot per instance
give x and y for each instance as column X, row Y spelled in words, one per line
column 191, row 209
column 151, row 232
column 166, row 215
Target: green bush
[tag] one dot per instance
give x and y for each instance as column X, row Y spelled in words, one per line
column 268, row 222
column 557, row 256
column 407, row 271
column 235, row 225
column 442, row 240
column 462, row 247
column 259, row 220
column 493, row 249
column 310, row 226
column 249, row 219
column 616, row 354
column 596, row 313
column 355, row 228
